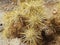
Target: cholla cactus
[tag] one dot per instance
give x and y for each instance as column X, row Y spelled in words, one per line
column 25, row 22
